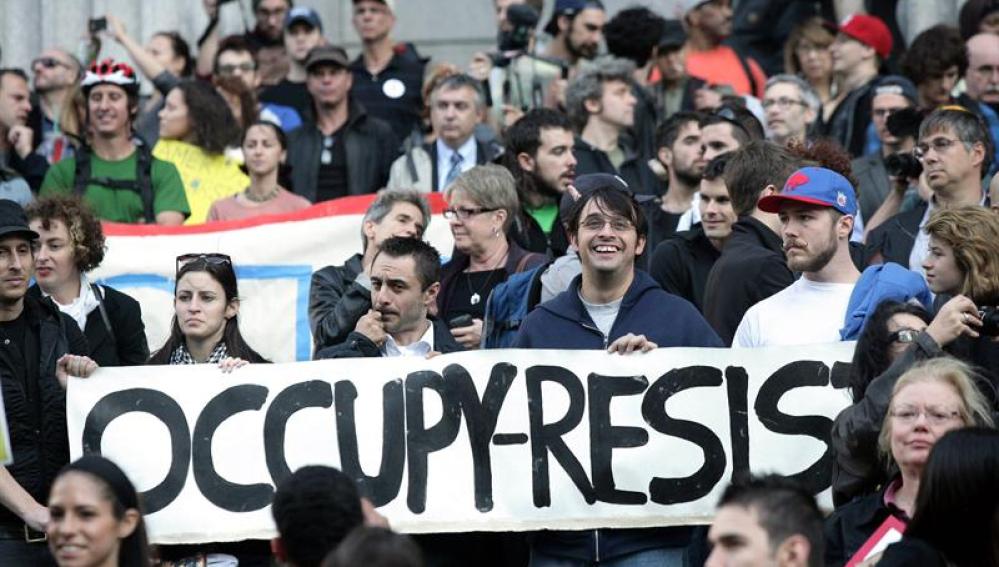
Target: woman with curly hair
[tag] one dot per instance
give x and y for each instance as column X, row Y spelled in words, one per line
column 196, row 130
column 71, row 244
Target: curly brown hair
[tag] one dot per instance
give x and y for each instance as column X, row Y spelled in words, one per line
column 826, row 153
column 83, row 226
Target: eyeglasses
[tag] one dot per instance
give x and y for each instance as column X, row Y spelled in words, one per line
column 230, row 69
column 783, row 102
column 935, row 416
column 48, row 63
column 596, row 223
column 213, row 258
column 465, row 213
column 904, row 336
column 939, row 145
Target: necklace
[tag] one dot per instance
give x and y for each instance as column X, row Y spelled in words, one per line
column 267, row 197
column 476, row 298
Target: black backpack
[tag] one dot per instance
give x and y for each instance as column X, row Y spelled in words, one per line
column 142, row 184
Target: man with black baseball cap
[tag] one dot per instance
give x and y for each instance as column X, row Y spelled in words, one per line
column 40, row 347
column 339, row 150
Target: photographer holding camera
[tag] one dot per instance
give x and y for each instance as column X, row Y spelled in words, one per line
column 514, row 77
column 874, row 182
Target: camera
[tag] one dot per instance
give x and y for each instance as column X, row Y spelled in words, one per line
column 903, row 165
column 990, row 321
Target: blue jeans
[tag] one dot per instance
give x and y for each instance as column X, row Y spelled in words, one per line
column 17, row 552
column 661, row 557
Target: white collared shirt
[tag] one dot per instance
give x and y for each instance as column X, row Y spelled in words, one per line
column 420, row 348
column 468, row 152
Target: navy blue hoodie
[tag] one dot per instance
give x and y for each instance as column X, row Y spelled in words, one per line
column 665, row 319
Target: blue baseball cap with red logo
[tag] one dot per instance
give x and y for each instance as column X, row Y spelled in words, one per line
column 814, row 186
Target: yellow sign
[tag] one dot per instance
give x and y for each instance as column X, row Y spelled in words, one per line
column 207, row 177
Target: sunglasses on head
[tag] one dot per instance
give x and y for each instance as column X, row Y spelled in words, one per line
column 206, row 257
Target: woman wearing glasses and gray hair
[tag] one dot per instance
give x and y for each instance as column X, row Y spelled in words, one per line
column 932, row 398
column 482, row 203
column 205, row 325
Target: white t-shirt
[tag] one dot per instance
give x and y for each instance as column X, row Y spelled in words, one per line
column 603, row 314
column 803, row 313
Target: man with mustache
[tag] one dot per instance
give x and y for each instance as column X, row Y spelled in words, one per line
column 816, row 209
column 405, row 279
column 576, row 28
column 539, row 155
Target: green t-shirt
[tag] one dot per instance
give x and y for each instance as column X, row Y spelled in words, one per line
column 546, row 216
column 120, row 205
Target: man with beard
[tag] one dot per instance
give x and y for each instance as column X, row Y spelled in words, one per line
column 709, row 22
column 678, row 149
column 539, row 155
column 405, row 279
column 55, row 74
column 682, row 263
column 577, row 28
column 816, row 210
column 266, row 39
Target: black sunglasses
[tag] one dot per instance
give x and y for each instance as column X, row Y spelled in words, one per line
column 206, row 257
column 48, row 62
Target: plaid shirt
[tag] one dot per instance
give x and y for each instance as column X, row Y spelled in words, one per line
column 182, row 356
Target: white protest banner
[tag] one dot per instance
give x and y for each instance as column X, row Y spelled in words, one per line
column 489, row 440
column 274, row 257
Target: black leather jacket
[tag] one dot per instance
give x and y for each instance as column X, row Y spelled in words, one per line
column 370, row 145
column 336, row 302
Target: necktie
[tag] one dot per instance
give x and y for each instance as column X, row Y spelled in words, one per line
column 455, row 170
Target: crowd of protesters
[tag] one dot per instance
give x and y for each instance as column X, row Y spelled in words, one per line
column 751, row 175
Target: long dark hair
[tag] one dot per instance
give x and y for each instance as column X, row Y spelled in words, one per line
column 959, row 497
column 212, row 124
column 235, row 344
column 870, row 358
column 284, row 170
column 134, row 549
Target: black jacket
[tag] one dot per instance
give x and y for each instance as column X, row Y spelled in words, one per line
column 849, row 527
column 36, row 408
column 681, row 265
column 751, row 268
column 360, row 346
column 517, row 260
column 370, row 148
column 634, row 169
column 848, row 123
column 124, row 344
column 893, row 240
column 336, row 302
column 872, row 182
column 529, row 235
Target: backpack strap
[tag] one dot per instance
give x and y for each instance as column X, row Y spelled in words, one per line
column 749, row 72
column 144, row 178
column 142, row 183
column 81, row 173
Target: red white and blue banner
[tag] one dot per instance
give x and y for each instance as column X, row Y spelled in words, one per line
column 274, row 257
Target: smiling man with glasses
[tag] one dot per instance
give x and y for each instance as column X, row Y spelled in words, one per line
column 616, row 308
column 956, row 151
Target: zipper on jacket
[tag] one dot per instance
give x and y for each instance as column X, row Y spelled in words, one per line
column 596, row 540
column 597, row 331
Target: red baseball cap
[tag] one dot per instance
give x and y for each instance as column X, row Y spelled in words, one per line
column 870, row 31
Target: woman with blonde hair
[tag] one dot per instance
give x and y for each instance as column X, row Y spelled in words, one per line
column 930, row 399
